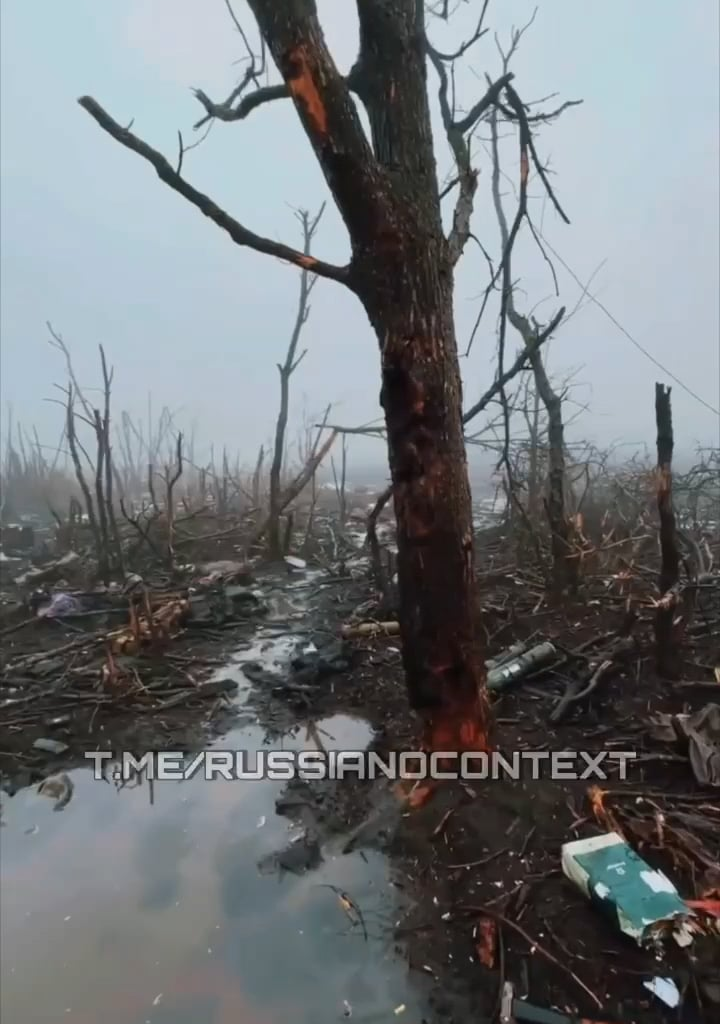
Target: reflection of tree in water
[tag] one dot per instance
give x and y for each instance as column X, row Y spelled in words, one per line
column 161, row 848
column 241, row 894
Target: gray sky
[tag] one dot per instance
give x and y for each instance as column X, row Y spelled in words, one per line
column 95, row 243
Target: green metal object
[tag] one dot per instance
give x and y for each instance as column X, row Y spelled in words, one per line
column 515, row 664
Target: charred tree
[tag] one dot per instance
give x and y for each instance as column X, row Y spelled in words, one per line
column 170, row 479
column 534, row 454
column 566, row 564
column 378, row 573
column 286, row 370
column 340, row 479
column 103, row 555
column 667, row 645
column 401, row 268
column 257, row 478
column 402, row 271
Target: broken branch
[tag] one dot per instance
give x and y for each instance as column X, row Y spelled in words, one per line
column 237, row 231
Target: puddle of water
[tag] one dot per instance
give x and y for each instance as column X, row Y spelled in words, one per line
column 269, row 651
column 145, row 905
column 131, row 912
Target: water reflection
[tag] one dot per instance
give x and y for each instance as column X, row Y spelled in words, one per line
column 125, row 911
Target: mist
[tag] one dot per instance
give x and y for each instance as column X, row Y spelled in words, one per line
column 95, row 244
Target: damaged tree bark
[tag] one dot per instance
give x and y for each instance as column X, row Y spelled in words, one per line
column 667, row 646
column 401, row 268
column 566, row 564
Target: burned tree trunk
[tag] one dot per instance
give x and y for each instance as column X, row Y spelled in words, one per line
column 422, row 400
column 103, row 555
column 667, row 646
column 376, row 566
column 340, row 480
column 402, row 271
column 566, row 565
column 286, row 370
column 273, row 532
column 533, row 500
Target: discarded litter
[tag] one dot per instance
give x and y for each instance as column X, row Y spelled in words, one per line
column 698, row 735
column 643, row 902
column 512, row 665
column 665, row 989
column 58, row 788
column 133, row 581
column 59, row 606
column 486, row 941
column 50, row 746
column 226, row 571
column 295, row 563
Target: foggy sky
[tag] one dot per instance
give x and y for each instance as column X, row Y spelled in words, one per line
column 95, row 243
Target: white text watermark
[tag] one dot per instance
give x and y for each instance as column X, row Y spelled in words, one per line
column 314, row 765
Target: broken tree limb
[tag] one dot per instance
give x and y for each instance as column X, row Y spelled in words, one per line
column 579, row 689
column 521, row 360
column 371, row 629
column 237, row 231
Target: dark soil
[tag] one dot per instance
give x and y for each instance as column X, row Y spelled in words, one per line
column 485, row 850
column 493, row 848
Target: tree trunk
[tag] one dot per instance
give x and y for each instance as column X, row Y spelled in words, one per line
column 566, row 565
column 422, row 400
column 534, row 468
column 402, row 271
column 667, row 645
column 273, row 533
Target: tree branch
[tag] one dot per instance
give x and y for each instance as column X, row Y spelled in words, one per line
column 238, row 232
column 327, row 112
column 531, row 347
column 227, row 112
column 490, row 97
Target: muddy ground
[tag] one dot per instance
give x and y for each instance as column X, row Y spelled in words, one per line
column 475, row 853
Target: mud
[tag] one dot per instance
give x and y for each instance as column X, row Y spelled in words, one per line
column 206, row 903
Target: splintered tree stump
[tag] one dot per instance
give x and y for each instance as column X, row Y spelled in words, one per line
column 667, row 637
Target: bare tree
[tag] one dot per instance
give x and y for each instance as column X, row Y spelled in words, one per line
column 564, row 567
column 292, row 361
column 402, row 269
column 340, row 480
column 101, row 510
column 302, row 478
column 668, row 661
